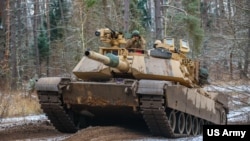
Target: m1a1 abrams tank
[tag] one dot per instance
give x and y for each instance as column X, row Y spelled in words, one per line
column 161, row 86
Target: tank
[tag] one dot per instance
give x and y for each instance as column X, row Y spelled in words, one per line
column 161, row 86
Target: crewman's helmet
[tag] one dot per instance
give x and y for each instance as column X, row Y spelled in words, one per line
column 157, row 42
column 135, row 33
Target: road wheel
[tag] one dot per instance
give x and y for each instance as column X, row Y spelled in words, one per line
column 172, row 119
column 195, row 126
column 180, row 123
column 201, row 123
column 188, row 125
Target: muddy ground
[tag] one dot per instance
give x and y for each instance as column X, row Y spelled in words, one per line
column 46, row 132
column 34, row 132
column 39, row 131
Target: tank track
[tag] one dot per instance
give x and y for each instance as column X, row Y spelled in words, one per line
column 53, row 108
column 154, row 114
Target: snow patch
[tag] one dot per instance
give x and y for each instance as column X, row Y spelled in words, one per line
column 239, row 115
column 240, row 88
column 17, row 121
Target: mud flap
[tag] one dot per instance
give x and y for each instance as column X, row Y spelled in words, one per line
column 151, row 87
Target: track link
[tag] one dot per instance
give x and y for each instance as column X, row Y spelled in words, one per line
column 154, row 114
column 52, row 106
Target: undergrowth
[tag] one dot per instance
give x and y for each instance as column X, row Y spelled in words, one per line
column 17, row 104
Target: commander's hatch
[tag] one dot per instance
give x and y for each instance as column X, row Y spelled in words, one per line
column 184, row 46
column 170, row 43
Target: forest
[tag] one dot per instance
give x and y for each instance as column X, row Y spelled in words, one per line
column 43, row 38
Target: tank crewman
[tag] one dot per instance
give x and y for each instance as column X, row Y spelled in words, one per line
column 157, row 42
column 136, row 41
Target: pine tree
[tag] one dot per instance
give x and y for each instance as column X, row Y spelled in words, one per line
column 195, row 32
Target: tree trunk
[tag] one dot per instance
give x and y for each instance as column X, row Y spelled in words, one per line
column 19, row 39
column 65, row 51
column 7, row 43
column 126, row 15
column 2, row 8
column 158, row 19
column 13, row 39
column 247, row 48
column 222, row 15
column 29, row 38
column 222, row 8
column 36, row 6
column 152, row 15
column 216, row 14
column 106, row 12
column 48, row 33
column 229, row 8
column 231, row 65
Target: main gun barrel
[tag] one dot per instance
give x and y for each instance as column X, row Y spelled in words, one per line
column 109, row 59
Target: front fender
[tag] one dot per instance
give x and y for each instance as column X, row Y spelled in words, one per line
column 51, row 83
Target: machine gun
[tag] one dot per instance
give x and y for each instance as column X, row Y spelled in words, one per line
column 114, row 38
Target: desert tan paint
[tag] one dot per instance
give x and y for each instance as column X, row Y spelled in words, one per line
column 157, row 66
column 201, row 101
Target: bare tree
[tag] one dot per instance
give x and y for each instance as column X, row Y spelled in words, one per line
column 36, row 11
column 158, row 20
column 7, row 43
column 13, row 47
column 48, row 33
column 126, row 15
column 247, row 48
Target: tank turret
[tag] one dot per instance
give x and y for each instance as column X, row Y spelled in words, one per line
column 164, row 62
